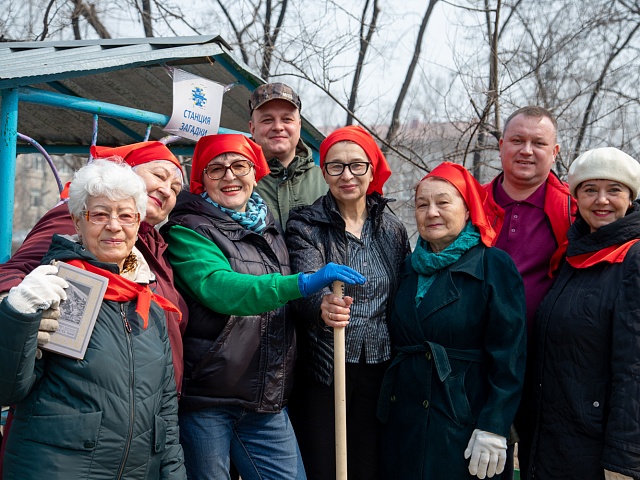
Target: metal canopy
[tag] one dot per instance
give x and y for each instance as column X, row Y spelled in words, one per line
column 53, row 91
column 126, row 72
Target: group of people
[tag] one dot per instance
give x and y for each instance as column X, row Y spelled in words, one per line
column 514, row 318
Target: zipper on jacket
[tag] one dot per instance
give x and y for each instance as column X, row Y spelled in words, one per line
column 127, row 445
column 127, row 325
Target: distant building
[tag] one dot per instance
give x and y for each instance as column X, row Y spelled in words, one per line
column 36, row 191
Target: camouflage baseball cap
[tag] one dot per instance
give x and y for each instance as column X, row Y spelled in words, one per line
column 273, row 91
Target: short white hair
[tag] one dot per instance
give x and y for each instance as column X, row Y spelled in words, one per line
column 114, row 180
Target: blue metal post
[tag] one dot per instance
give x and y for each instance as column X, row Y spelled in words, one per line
column 8, row 135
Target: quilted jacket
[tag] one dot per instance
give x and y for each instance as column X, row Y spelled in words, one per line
column 111, row 415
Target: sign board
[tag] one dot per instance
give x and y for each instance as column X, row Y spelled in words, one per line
column 197, row 106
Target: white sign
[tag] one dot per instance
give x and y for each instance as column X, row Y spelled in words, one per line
column 197, row 105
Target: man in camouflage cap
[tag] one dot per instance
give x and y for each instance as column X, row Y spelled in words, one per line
column 275, row 124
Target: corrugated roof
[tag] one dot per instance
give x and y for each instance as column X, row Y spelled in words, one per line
column 127, row 72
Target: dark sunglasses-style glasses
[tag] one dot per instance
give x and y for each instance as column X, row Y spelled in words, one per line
column 103, row 218
column 240, row 168
column 357, row 169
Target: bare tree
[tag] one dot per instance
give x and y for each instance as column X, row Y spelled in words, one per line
column 395, row 116
column 365, row 41
column 256, row 25
column 145, row 14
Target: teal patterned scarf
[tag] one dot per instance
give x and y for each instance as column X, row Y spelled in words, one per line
column 253, row 218
column 427, row 263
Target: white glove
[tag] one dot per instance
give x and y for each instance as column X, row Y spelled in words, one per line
column 488, row 452
column 48, row 324
column 608, row 475
column 39, row 290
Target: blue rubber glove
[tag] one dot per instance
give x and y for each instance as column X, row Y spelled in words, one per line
column 310, row 283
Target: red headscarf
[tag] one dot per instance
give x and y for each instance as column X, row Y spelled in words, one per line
column 473, row 194
column 134, row 154
column 211, row 146
column 137, row 153
column 359, row 136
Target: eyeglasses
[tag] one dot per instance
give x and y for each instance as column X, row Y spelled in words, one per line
column 240, row 168
column 357, row 169
column 103, row 218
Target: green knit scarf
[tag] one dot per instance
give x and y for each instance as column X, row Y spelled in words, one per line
column 427, row 263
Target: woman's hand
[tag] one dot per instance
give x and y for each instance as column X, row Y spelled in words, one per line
column 310, row 283
column 335, row 310
column 608, row 475
column 39, row 290
column 488, row 452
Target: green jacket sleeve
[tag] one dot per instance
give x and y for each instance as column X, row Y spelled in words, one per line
column 18, row 343
column 173, row 456
column 504, row 342
column 201, row 269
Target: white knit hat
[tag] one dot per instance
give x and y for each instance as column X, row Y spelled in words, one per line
column 607, row 163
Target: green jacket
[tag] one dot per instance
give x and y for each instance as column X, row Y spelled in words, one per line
column 111, row 415
column 459, row 365
column 300, row 184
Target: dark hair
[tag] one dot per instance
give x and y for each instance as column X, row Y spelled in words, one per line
column 532, row 111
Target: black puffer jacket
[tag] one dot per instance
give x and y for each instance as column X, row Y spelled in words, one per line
column 315, row 236
column 230, row 359
column 588, row 362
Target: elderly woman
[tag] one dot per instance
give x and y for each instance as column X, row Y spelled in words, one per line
column 232, row 265
column 588, row 334
column 348, row 225
column 112, row 414
column 458, row 328
column 162, row 175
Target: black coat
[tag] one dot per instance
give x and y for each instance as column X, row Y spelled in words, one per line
column 588, row 362
column 315, row 236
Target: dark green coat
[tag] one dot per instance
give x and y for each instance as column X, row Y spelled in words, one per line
column 459, row 365
column 111, row 415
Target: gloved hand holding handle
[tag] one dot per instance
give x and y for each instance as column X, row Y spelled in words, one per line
column 39, row 290
column 310, row 283
column 488, row 452
column 609, row 475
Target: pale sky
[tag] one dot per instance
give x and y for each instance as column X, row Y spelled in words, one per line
column 399, row 22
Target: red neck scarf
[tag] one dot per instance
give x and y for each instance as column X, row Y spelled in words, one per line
column 121, row 290
column 613, row 254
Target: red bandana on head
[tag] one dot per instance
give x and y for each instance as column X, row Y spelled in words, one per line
column 473, row 194
column 359, row 136
column 134, row 154
column 211, row 146
column 137, row 153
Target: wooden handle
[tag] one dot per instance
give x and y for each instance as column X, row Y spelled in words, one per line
column 340, row 393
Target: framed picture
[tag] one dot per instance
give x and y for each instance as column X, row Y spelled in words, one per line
column 78, row 312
